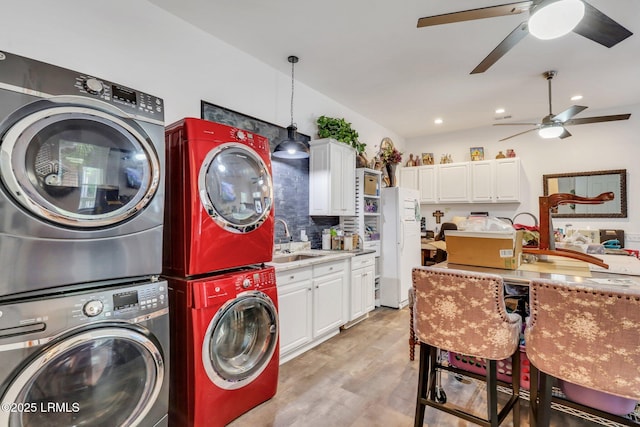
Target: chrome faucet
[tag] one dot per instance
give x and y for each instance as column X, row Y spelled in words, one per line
column 287, row 235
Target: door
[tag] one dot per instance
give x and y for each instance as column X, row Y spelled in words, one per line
column 240, row 340
column 106, row 375
column 235, row 187
column 78, row 163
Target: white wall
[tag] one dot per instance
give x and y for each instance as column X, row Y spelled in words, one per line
column 137, row 44
column 613, row 145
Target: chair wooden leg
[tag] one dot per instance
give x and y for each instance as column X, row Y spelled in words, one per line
column 423, row 384
column 492, row 393
column 412, row 335
column 515, row 386
column 544, row 405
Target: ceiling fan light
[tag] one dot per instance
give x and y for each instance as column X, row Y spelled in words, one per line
column 553, row 131
column 556, row 19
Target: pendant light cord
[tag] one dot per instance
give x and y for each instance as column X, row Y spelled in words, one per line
column 292, row 59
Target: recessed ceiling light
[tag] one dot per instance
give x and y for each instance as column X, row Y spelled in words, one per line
column 499, row 110
column 438, row 121
column 576, row 97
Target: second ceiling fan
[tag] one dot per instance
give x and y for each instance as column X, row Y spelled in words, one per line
column 593, row 25
column 553, row 125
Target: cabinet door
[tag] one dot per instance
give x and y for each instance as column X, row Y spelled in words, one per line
column 427, row 184
column 507, row 180
column 409, row 178
column 347, row 182
column 453, row 182
column 356, row 306
column 482, row 181
column 327, row 303
column 294, row 312
column 369, row 289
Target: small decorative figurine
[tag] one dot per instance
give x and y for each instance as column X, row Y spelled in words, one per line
column 500, row 155
column 411, row 162
column 511, row 153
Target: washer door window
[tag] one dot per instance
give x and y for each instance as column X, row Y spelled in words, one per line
column 240, row 341
column 102, row 377
column 235, row 187
column 78, row 166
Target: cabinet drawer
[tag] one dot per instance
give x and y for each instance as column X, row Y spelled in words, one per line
column 362, row 261
column 328, row 268
column 293, row 276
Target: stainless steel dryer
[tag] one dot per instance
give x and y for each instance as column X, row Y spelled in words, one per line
column 81, row 178
column 90, row 357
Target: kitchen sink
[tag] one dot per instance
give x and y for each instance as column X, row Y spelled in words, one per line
column 292, row 258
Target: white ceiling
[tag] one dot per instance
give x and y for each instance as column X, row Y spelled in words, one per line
column 369, row 56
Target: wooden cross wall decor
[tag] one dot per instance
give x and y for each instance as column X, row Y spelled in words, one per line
column 438, row 214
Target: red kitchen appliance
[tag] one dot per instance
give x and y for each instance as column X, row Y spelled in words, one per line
column 224, row 345
column 219, row 198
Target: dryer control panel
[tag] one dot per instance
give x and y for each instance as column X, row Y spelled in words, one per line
column 130, row 303
column 37, row 78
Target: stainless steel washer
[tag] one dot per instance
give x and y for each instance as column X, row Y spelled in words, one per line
column 81, row 178
column 86, row 357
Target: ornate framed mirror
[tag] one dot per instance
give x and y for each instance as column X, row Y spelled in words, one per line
column 589, row 184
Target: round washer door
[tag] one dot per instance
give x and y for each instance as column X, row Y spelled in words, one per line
column 78, row 163
column 235, row 187
column 240, row 340
column 103, row 376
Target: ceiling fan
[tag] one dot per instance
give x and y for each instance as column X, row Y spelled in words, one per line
column 544, row 15
column 553, row 125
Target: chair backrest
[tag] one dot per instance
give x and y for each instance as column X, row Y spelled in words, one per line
column 464, row 312
column 586, row 335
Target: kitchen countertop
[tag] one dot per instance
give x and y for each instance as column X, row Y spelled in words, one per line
column 318, row 256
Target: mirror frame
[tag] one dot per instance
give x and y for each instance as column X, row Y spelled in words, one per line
column 623, row 192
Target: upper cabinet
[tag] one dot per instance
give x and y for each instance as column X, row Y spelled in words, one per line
column 331, row 178
column 484, row 181
column 453, row 182
column 507, row 180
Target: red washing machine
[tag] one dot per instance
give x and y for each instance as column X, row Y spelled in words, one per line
column 224, row 345
column 219, row 198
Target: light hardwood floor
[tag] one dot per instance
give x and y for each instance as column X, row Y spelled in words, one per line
column 363, row 378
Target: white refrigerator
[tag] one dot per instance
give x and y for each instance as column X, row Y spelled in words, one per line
column 400, row 240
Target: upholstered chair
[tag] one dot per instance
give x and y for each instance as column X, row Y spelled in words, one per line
column 464, row 312
column 586, row 336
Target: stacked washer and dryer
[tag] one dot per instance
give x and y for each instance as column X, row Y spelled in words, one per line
column 84, row 324
column 219, row 225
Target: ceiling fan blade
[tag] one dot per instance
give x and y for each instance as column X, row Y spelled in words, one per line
column 597, row 119
column 568, row 113
column 510, row 41
column 600, row 28
column 565, row 133
column 472, row 14
column 516, row 124
column 518, row 134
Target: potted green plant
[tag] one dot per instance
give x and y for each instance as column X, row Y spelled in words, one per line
column 341, row 130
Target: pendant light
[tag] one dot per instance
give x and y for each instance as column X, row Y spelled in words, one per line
column 555, row 18
column 291, row 148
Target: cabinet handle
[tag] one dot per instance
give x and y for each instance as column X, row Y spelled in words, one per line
column 317, row 286
column 292, row 277
column 330, row 268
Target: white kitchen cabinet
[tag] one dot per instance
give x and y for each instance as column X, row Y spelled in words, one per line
column 507, row 180
column 495, row 181
column 329, row 302
column 427, row 178
column 362, row 298
column 453, row 183
column 295, row 305
column 482, row 181
column 312, row 305
column 409, row 177
column 331, row 178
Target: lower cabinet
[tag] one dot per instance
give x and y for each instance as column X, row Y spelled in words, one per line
column 362, row 298
column 311, row 305
column 295, row 303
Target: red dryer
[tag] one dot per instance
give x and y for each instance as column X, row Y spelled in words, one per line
column 218, row 200
column 224, row 345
